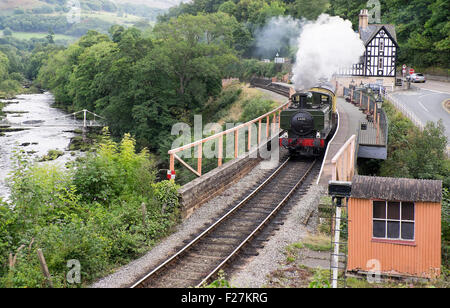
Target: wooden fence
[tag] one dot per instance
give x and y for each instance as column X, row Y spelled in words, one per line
column 271, row 119
column 344, row 161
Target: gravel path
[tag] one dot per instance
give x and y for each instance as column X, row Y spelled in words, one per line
column 254, row 274
column 205, row 215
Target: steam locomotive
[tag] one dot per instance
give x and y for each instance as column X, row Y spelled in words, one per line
column 310, row 121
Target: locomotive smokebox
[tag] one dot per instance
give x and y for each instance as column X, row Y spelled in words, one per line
column 302, row 123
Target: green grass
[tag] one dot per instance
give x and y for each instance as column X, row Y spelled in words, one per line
column 38, row 35
column 319, row 242
column 112, row 17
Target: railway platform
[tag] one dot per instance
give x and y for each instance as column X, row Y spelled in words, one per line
column 350, row 118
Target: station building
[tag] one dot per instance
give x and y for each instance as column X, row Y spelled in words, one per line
column 378, row 64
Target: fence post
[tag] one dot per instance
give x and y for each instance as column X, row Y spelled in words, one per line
column 220, row 154
column 44, row 268
column 375, row 112
column 199, row 159
column 259, row 132
column 172, row 162
column 236, row 143
column 249, row 137
column 274, row 122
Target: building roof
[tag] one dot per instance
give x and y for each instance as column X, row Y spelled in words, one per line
column 396, row 189
column 371, row 30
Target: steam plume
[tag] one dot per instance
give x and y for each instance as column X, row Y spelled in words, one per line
column 324, row 47
column 278, row 34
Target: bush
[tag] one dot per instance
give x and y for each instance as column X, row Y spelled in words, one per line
column 10, row 87
column 7, row 32
column 220, row 106
column 413, row 153
column 114, row 170
column 102, row 212
column 256, row 107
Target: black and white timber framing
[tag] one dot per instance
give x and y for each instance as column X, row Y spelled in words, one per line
column 380, row 57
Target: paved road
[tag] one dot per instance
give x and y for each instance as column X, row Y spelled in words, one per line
column 426, row 102
column 438, row 86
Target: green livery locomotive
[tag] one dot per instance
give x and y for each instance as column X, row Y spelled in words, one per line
column 310, row 121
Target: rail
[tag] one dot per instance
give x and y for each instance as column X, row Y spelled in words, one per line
column 271, row 120
column 250, row 204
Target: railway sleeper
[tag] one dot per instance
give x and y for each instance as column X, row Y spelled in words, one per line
column 175, row 282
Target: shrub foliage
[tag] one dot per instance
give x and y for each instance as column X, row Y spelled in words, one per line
column 102, row 211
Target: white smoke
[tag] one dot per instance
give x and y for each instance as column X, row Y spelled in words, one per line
column 277, row 34
column 325, row 46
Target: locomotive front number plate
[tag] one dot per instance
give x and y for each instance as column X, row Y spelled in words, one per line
column 301, row 119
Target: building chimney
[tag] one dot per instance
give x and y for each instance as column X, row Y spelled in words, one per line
column 363, row 20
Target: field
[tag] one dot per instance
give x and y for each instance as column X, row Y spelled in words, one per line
column 30, row 4
column 23, row 4
column 30, row 35
column 111, row 17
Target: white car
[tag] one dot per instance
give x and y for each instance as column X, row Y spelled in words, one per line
column 416, row 77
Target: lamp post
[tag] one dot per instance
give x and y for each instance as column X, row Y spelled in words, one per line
column 379, row 101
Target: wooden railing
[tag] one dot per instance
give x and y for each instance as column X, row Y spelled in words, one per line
column 344, row 161
column 272, row 121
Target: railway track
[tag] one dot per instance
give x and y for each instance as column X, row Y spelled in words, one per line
column 268, row 85
column 199, row 261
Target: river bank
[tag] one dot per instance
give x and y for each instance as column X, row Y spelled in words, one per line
column 40, row 142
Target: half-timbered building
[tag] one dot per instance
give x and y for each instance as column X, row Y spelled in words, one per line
column 380, row 58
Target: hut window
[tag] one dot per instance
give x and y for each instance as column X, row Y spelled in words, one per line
column 393, row 220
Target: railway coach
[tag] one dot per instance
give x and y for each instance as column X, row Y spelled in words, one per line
column 310, row 121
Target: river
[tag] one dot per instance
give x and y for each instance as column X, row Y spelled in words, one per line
column 36, row 141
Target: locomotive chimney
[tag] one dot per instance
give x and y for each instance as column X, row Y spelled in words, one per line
column 363, row 20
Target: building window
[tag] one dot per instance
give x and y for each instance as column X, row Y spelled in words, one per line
column 393, row 220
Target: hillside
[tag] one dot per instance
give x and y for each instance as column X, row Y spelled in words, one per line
column 41, row 16
column 10, row 5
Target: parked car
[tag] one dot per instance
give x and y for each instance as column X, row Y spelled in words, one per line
column 416, row 77
column 375, row 87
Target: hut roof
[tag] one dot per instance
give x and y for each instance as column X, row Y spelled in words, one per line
column 396, row 189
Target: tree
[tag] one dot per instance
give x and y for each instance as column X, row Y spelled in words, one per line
column 4, row 66
column 309, row 9
column 197, row 49
column 50, row 37
column 228, row 7
column 7, row 32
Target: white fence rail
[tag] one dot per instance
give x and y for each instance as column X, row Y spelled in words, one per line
column 400, row 107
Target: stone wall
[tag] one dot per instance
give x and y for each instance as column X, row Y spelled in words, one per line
column 197, row 192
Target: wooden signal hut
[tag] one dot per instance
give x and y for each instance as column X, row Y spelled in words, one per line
column 394, row 226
